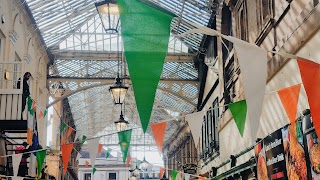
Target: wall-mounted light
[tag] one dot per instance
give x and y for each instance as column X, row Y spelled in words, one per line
column 6, row 75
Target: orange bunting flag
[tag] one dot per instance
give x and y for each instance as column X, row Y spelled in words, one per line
column 161, row 172
column 87, row 164
column 66, row 152
column 289, row 99
column 100, row 148
column 158, row 131
column 128, row 160
column 29, row 136
column 310, row 75
column 69, row 131
column 40, row 114
column 200, row 177
column 33, row 104
column 63, row 140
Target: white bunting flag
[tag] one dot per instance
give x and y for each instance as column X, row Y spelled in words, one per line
column 32, row 165
column 78, row 134
column 253, row 65
column 16, row 159
column 78, row 156
column 187, row 176
column 93, row 146
column 195, row 123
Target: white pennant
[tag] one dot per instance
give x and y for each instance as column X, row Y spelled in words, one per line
column 16, row 159
column 93, row 146
column 253, row 65
column 32, row 165
column 78, row 134
column 78, row 156
column 195, row 124
column 187, row 176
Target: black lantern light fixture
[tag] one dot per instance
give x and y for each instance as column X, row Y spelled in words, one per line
column 118, row 91
column 109, row 15
column 121, row 124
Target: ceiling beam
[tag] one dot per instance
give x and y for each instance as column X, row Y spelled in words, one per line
column 113, row 56
column 111, row 80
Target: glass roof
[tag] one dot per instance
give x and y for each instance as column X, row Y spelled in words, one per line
column 86, row 56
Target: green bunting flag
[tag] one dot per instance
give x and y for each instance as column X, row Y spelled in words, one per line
column 94, row 170
column 174, row 174
column 124, row 142
column 108, row 153
column 239, row 113
column 63, row 126
column 45, row 113
column 83, row 139
column 145, row 48
column 30, row 109
column 40, row 159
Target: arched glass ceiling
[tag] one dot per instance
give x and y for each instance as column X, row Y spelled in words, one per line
column 86, row 56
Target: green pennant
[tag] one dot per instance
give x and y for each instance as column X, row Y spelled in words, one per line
column 145, row 48
column 94, row 170
column 174, row 174
column 83, row 139
column 63, row 126
column 29, row 103
column 239, row 113
column 108, row 153
column 40, row 159
column 45, row 113
column 124, row 142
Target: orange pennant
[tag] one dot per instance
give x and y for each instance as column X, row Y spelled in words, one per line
column 63, row 140
column 158, row 131
column 161, row 172
column 310, row 75
column 40, row 115
column 29, row 136
column 128, row 160
column 289, row 98
column 66, row 152
column 100, row 148
column 200, row 177
column 69, row 131
column 87, row 164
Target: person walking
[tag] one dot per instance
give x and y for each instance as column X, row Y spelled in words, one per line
column 25, row 91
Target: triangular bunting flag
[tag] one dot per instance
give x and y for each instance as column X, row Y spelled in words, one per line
column 32, row 165
column 158, row 131
column 310, row 75
column 100, row 148
column 16, row 159
column 93, row 145
column 63, row 126
column 108, row 153
column 239, row 113
column 203, row 178
column 195, row 124
column 40, row 159
column 162, row 169
column 124, row 142
column 45, row 113
column 40, row 115
column 289, row 98
column 30, row 105
column 145, row 50
column 29, row 135
column 174, row 174
column 187, row 176
column 94, row 170
column 83, row 139
column 253, row 65
column 66, row 152
column 63, row 140
column 78, row 134
column 128, row 160
column 87, row 164
column 70, row 130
